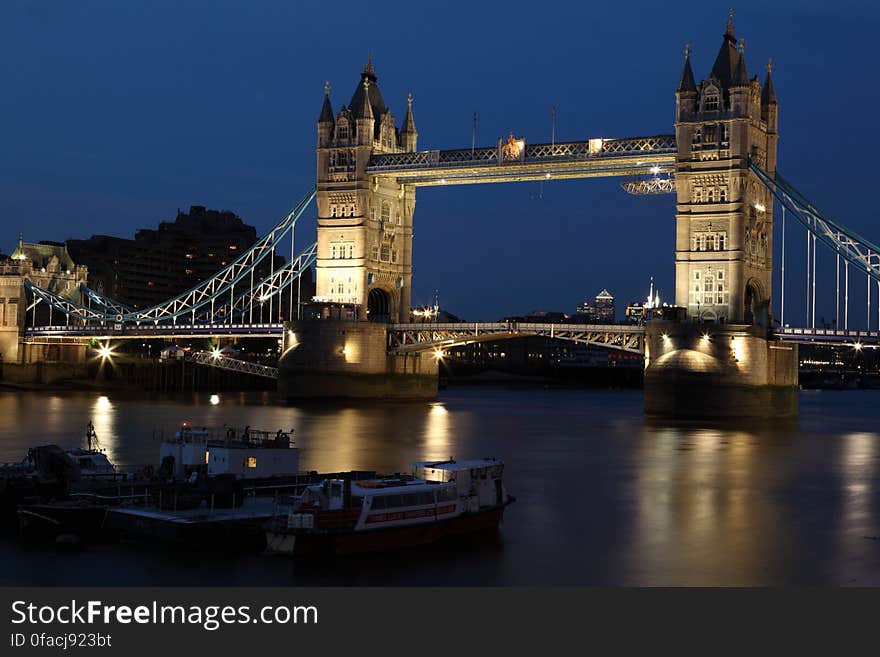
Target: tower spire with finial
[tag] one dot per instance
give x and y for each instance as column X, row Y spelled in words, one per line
column 768, row 93
column 326, row 110
column 686, row 83
column 729, row 31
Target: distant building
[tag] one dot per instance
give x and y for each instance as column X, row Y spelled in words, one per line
column 599, row 312
column 635, row 312
column 47, row 264
column 158, row 264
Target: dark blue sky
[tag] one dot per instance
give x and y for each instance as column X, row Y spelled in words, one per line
column 115, row 115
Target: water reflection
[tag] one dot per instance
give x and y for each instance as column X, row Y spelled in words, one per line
column 602, row 496
column 704, row 516
column 103, row 417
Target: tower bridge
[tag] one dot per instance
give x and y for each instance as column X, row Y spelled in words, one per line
column 721, row 163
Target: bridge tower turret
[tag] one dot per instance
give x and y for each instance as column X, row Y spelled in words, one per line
column 364, row 222
column 724, row 218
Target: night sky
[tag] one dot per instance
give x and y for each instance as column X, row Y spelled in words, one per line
column 114, row 116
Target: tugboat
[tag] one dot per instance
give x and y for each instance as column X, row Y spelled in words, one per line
column 439, row 499
column 91, row 461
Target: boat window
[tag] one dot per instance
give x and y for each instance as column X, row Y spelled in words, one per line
column 392, row 501
column 446, row 494
column 336, row 490
column 378, row 502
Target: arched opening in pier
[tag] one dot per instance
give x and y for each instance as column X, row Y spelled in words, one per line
column 378, row 306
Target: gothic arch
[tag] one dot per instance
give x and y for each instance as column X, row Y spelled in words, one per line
column 756, row 304
column 379, row 305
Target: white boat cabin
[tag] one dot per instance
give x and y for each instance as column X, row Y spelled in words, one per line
column 247, row 454
column 91, row 462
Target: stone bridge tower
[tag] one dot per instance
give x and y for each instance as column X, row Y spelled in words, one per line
column 724, row 218
column 364, row 222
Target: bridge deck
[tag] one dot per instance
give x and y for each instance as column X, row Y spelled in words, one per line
column 583, row 159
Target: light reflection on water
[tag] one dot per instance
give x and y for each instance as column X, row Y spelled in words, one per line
column 604, row 498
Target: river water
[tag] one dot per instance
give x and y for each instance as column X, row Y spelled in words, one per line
column 603, row 498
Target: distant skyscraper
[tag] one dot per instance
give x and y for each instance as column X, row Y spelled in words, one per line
column 601, row 311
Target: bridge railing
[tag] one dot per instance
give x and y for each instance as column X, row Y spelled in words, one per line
column 491, row 156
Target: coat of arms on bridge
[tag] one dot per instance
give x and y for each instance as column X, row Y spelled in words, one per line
column 514, row 149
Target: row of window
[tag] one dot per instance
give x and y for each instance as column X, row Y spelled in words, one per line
column 709, row 241
column 709, row 134
column 341, row 158
column 708, row 288
column 384, row 254
column 9, row 312
column 342, row 288
column 445, row 494
column 385, row 213
column 710, row 194
column 342, row 251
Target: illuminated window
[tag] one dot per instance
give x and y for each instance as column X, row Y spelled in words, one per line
column 386, row 211
column 190, row 256
column 233, row 247
column 711, row 133
column 250, row 462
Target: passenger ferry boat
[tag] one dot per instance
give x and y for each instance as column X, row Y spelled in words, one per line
column 439, row 499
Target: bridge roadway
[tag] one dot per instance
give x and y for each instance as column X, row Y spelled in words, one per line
column 411, row 338
column 517, row 161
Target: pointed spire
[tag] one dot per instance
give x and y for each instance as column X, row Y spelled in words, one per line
column 768, row 93
column 686, row 84
column 368, row 67
column 725, row 63
column 741, row 76
column 365, row 111
column 409, row 124
column 326, row 109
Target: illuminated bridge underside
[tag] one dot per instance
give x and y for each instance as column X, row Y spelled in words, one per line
column 411, row 338
column 80, row 334
column 614, row 157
